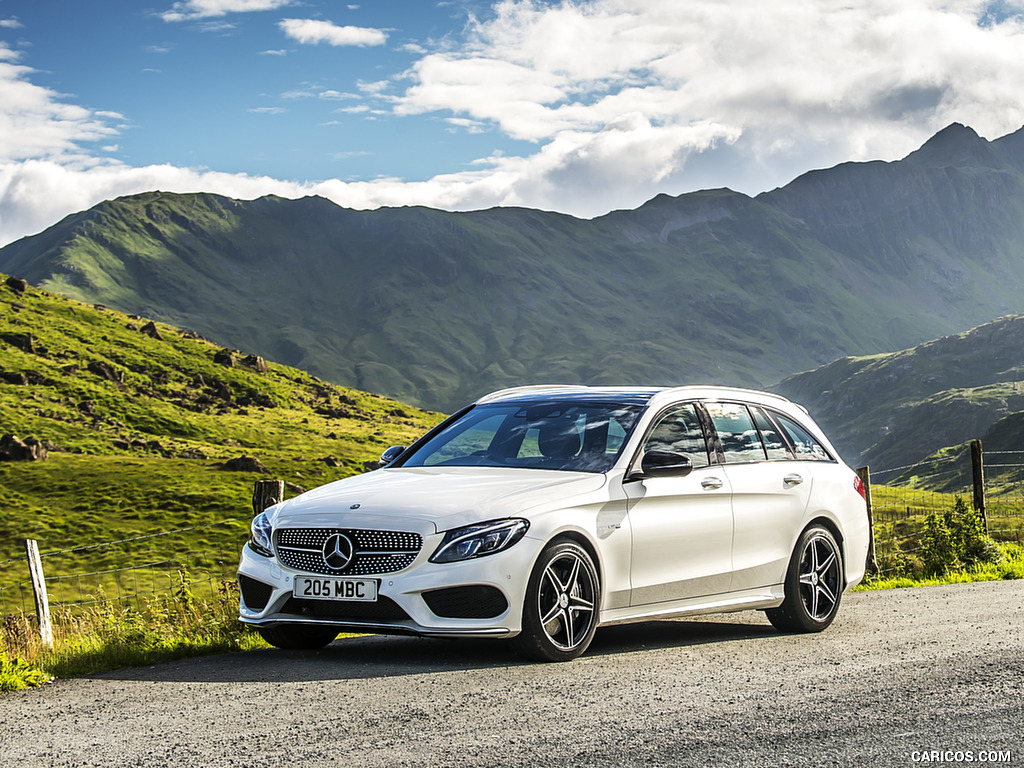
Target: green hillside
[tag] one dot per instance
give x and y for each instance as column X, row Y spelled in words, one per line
column 895, row 409
column 138, row 420
column 437, row 307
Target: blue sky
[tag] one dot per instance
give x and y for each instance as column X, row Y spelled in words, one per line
column 580, row 107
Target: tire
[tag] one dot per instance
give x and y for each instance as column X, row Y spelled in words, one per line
column 563, row 600
column 814, row 584
column 298, row 637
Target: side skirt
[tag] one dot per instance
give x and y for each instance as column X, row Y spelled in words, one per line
column 748, row 600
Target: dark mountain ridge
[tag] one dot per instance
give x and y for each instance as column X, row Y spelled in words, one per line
column 438, row 307
column 891, row 410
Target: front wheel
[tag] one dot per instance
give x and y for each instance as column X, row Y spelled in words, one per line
column 563, row 598
column 298, row 637
column 814, row 584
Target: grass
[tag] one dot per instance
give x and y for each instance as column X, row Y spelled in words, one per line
column 144, row 452
column 112, row 635
column 1010, row 566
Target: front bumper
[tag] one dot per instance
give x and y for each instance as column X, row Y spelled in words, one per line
column 482, row 597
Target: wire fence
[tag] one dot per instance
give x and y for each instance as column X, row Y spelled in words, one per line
column 76, row 577
column 903, row 497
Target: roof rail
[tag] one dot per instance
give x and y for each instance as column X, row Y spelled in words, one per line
column 530, row 388
column 728, row 390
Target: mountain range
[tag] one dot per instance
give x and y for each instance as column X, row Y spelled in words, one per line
column 436, row 307
column 892, row 410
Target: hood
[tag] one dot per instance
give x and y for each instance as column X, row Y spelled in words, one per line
column 430, row 500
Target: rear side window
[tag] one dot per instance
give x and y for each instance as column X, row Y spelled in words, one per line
column 774, row 445
column 736, row 432
column 805, row 445
column 679, row 430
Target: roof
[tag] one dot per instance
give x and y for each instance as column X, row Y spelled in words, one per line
column 624, row 395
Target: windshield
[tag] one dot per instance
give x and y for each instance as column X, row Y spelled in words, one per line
column 576, row 436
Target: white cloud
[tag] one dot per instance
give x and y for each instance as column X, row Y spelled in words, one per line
column 376, row 88
column 314, row 31
column 786, row 81
column 202, row 9
column 331, row 95
column 620, row 99
column 473, row 126
column 35, row 123
column 11, row 23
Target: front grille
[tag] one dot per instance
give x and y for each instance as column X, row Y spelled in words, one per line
column 384, row 609
column 374, row 552
column 255, row 594
column 474, row 602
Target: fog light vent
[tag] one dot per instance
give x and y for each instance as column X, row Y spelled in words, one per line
column 472, row 602
column 255, row 594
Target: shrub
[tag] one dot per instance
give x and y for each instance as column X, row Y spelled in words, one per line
column 16, row 674
column 974, row 546
column 938, row 550
column 956, row 540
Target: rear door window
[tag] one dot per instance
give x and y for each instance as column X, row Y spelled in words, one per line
column 736, row 432
column 774, row 444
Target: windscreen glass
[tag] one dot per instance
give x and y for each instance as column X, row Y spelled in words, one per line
column 573, row 436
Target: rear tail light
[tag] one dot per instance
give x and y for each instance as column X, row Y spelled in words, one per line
column 858, row 486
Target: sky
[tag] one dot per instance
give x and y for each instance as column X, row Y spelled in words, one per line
column 577, row 106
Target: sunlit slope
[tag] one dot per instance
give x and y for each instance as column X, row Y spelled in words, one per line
column 138, row 429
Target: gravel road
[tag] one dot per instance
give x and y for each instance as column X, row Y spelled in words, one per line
column 899, row 673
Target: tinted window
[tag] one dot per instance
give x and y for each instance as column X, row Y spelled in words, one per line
column 806, row 446
column 774, row 445
column 585, row 437
column 736, row 431
column 679, row 430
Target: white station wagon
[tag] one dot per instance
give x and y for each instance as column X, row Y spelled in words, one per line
column 542, row 513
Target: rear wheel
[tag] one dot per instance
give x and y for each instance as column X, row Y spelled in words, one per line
column 814, row 584
column 563, row 598
column 298, row 637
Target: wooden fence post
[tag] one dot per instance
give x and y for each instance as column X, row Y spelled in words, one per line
column 35, row 566
column 266, row 493
column 871, row 565
column 978, row 473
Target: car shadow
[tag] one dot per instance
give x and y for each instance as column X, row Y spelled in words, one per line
column 380, row 656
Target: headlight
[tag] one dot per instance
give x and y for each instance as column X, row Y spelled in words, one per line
column 479, row 540
column 260, row 532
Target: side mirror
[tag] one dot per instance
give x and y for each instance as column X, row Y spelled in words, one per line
column 391, row 454
column 665, row 464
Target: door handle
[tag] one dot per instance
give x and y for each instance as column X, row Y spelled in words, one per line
column 710, row 483
column 790, row 480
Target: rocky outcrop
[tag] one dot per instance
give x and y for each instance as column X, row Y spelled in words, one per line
column 29, row 449
column 245, row 464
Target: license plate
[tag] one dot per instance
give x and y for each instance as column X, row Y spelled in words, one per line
column 364, row 590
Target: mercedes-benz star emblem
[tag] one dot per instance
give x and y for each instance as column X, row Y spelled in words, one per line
column 338, row 551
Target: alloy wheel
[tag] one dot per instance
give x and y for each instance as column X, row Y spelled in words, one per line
column 820, row 573
column 566, row 601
